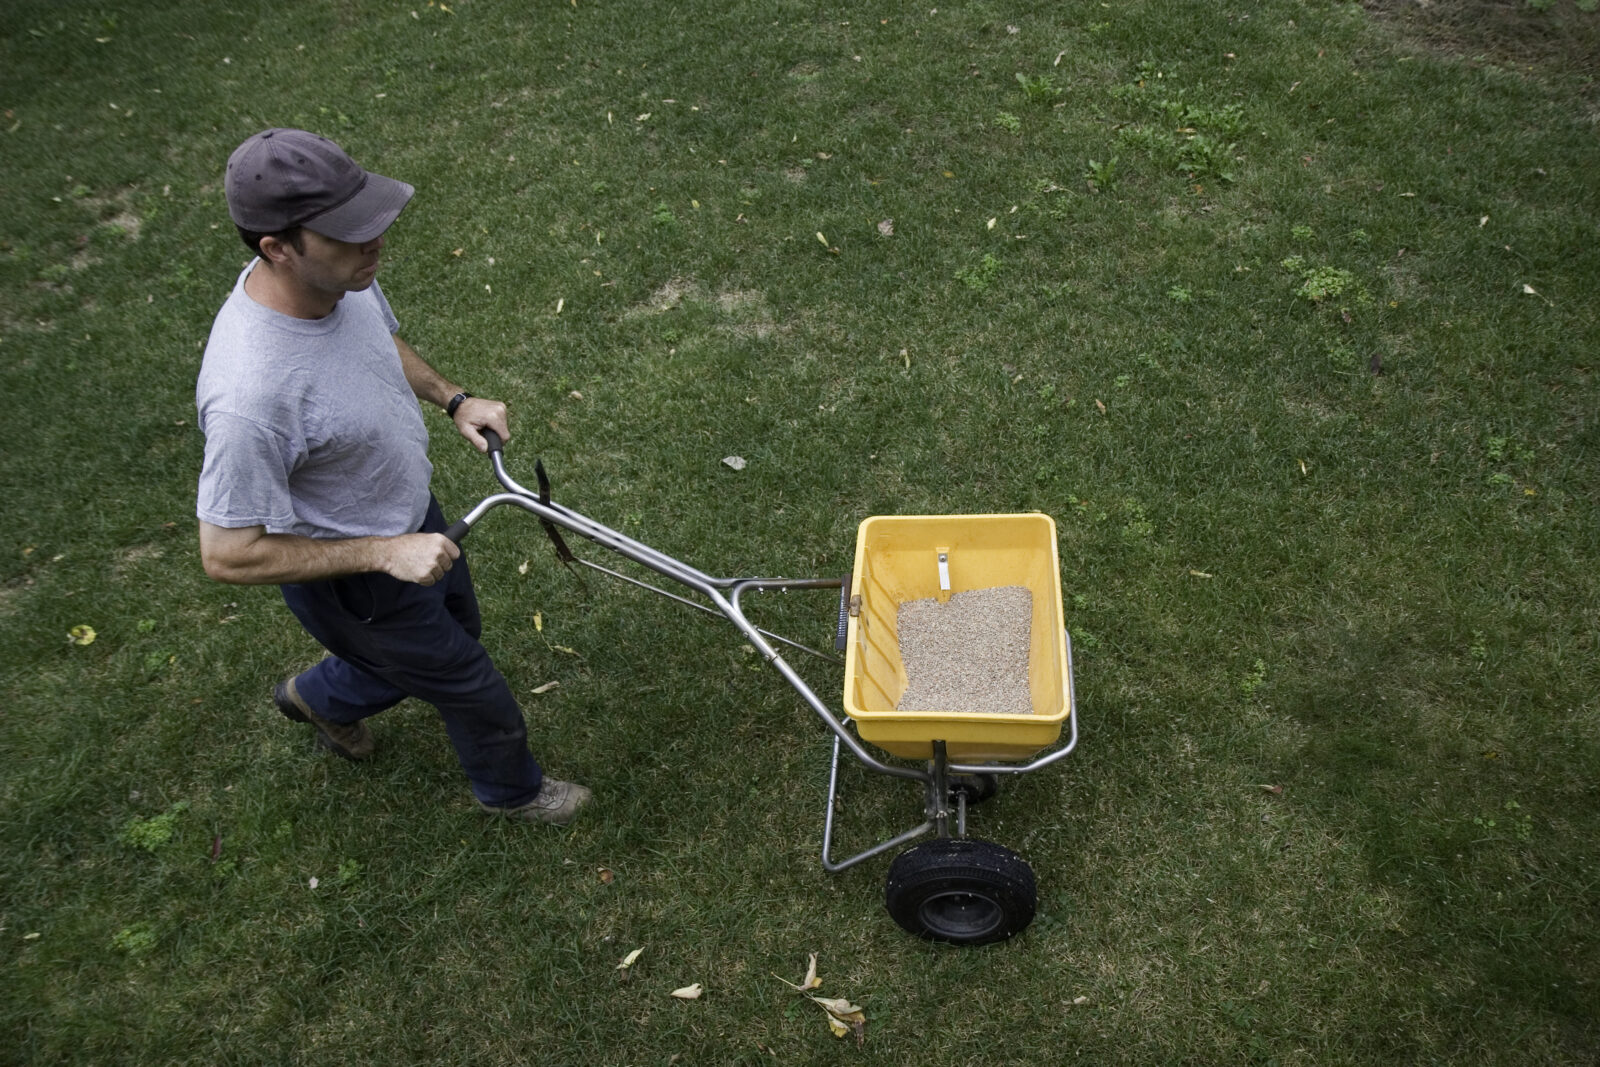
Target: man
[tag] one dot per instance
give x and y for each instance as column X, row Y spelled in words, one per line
column 316, row 472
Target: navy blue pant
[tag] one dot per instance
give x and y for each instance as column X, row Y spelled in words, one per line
column 390, row 640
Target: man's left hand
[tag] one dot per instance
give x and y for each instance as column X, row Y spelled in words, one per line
column 477, row 414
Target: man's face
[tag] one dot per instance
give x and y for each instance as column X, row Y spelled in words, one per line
column 335, row 267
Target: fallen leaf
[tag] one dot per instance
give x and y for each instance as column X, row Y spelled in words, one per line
column 575, row 395
column 1101, row 406
column 688, row 992
column 991, row 224
column 81, row 635
column 313, row 882
column 31, row 937
column 561, row 303
column 886, row 227
column 458, row 251
column 810, row 981
column 1530, row 290
column 522, row 568
column 545, row 688
column 538, row 616
column 564, row 648
column 606, row 877
column 1200, row 574
column 1275, row 790
column 735, row 462
column 823, row 239
column 843, row 1017
column 629, row 959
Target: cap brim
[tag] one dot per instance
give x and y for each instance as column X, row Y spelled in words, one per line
column 365, row 215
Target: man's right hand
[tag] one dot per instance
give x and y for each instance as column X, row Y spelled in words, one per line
column 422, row 558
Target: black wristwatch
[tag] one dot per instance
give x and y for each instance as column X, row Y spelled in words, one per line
column 455, row 402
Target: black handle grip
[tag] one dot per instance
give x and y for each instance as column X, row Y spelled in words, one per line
column 493, row 439
column 457, row 531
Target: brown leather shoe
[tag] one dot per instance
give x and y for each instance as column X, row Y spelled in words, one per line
column 556, row 803
column 353, row 741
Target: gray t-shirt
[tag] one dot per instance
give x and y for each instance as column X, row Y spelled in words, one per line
column 310, row 426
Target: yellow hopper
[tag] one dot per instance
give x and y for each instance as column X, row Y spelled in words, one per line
column 901, row 558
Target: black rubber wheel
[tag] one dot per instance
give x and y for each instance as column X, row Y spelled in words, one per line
column 977, row 787
column 963, row 892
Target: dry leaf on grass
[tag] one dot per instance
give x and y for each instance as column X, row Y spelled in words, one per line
column 843, row 1017
column 735, row 462
column 629, row 959
column 810, row 981
column 545, row 688
column 688, row 992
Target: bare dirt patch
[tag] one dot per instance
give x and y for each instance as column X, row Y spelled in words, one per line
column 1508, row 32
column 669, row 295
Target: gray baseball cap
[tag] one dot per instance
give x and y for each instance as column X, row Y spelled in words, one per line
column 279, row 179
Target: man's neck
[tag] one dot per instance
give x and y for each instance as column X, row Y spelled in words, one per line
column 279, row 290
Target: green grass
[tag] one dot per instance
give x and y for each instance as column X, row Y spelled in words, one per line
column 1375, row 590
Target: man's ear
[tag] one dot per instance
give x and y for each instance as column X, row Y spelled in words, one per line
column 274, row 250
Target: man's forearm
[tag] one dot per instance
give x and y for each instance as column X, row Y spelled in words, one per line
column 275, row 559
column 250, row 556
column 427, row 383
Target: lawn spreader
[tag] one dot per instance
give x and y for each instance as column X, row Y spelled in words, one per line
column 952, row 888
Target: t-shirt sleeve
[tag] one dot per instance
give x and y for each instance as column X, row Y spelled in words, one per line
column 244, row 480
